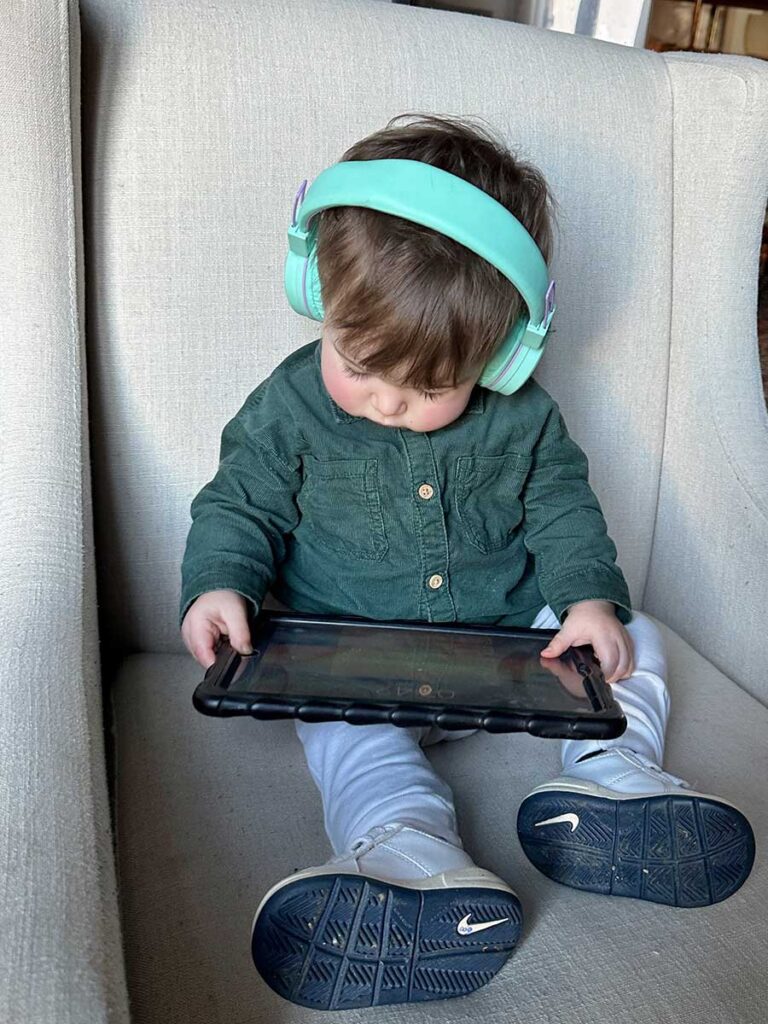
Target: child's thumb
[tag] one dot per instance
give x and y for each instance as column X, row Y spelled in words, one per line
column 239, row 636
column 556, row 645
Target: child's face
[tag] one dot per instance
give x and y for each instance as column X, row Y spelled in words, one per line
column 362, row 394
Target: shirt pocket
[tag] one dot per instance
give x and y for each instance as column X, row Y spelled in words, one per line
column 341, row 503
column 488, row 497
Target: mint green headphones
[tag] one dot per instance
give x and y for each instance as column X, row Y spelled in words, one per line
column 437, row 199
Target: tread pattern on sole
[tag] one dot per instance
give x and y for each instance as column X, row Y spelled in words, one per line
column 339, row 941
column 684, row 851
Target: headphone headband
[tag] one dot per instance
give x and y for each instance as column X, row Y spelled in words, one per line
column 440, row 200
column 437, row 199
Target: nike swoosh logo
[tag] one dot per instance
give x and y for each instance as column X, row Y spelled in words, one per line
column 465, row 928
column 572, row 819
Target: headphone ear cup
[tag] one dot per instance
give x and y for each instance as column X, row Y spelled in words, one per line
column 313, row 288
column 302, row 282
column 293, row 277
column 512, row 363
column 523, row 368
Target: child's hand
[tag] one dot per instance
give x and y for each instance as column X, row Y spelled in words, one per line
column 210, row 615
column 595, row 623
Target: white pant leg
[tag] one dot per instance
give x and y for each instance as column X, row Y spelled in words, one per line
column 374, row 774
column 643, row 696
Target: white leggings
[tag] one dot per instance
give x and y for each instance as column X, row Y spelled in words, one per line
column 373, row 774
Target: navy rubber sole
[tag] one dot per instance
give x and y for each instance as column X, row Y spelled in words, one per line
column 338, row 941
column 685, row 851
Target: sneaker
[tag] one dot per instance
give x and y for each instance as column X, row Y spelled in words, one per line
column 436, row 735
column 617, row 824
column 382, row 923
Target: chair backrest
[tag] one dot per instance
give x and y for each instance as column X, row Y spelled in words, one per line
column 200, row 123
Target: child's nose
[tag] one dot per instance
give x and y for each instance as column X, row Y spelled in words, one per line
column 388, row 403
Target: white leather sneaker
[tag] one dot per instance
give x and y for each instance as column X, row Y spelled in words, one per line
column 617, row 824
column 402, row 916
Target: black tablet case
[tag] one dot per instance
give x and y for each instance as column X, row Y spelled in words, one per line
column 211, row 696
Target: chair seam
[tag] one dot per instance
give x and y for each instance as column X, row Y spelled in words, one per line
column 660, row 475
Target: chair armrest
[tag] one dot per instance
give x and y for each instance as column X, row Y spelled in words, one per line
column 61, row 960
column 708, row 575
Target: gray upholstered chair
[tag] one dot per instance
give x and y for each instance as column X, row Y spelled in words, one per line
column 141, row 299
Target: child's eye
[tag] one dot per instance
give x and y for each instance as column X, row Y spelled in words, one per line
column 431, row 396
column 353, row 373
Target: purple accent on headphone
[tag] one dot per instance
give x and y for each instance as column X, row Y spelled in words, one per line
column 299, row 196
column 549, row 299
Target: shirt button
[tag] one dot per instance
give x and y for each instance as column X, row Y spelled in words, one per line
column 425, row 491
column 436, row 581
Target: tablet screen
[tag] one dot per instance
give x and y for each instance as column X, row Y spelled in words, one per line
column 325, row 660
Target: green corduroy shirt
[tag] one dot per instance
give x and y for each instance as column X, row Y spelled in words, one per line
column 484, row 520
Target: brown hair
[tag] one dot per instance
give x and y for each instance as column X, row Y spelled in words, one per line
column 401, row 295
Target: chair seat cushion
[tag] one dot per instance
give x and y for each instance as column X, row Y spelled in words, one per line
column 211, row 812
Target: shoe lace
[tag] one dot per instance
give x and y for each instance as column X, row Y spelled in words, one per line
column 365, row 842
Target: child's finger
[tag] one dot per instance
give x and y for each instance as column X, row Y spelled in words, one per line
column 629, row 647
column 202, row 647
column 626, row 662
column 609, row 655
column 625, row 667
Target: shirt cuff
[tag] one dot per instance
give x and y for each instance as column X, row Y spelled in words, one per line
column 224, row 577
column 597, row 584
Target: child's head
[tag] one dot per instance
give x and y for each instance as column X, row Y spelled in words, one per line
column 417, row 313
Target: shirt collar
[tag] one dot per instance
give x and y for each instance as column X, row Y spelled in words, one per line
column 476, row 403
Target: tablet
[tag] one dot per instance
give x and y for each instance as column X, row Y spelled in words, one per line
column 455, row 676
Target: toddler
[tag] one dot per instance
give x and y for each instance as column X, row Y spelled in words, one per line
column 371, row 475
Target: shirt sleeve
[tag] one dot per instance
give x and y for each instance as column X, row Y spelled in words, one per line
column 241, row 518
column 564, row 527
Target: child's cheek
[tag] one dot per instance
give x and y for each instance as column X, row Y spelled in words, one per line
column 440, row 414
column 347, row 394
column 434, row 416
column 340, row 387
